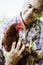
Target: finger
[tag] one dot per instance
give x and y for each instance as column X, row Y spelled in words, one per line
column 22, row 49
column 5, row 52
column 13, row 46
column 19, row 43
column 41, row 52
column 31, row 43
column 34, row 44
column 4, row 49
column 21, row 56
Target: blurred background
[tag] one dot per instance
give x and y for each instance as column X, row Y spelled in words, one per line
column 10, row 8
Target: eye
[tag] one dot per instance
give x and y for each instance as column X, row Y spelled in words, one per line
column 29, row 6
column 36, row 11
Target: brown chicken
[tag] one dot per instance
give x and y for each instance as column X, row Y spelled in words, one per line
column 10, row 36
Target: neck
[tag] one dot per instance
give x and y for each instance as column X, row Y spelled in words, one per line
column 27, row 26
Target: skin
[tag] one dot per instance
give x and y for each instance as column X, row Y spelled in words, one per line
column 15, row 54
column 29, row 14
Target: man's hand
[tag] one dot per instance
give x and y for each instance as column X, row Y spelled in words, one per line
column 15, row 54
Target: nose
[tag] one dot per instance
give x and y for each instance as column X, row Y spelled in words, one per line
column 30, row 11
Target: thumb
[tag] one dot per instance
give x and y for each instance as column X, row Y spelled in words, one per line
column 34, row 45
column 31, row 43
column 5, row 53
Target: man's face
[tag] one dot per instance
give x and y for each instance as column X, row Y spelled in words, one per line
column 31, row 11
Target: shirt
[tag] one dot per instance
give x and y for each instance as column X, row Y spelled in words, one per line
column 38, row 25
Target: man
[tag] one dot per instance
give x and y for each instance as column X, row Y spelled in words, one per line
column 31, row 11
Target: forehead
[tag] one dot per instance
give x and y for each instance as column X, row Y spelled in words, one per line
column 34, row 3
